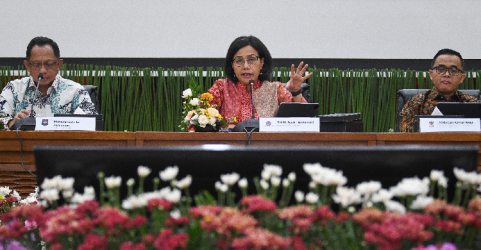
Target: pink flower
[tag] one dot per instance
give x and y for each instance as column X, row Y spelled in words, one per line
column 167, row 240
column 258, row 203
column 261, row 239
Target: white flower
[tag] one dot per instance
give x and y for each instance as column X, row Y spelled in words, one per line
column 211, row 121
column 169, row 173
column 217, row 185
column 243, row 183
column 16, row 195
column 184, row 183
column 134, row 202
column 175, row 214
column 443, row 181
column 67, row 193
column 194, row 101
column 130, row 182
column 299, row 195
column 202, row 120
column 275, row 181
column 382, row 195
column 230, row 179
column 312, row 168
column 467, row 177
column 265, row 175
column 50, row 195
column 65, row 184
column 312, row 198
column 264, row 184
column 291, row 176
column 346, row 196
column 50, row 183
column 113, row 182
column 90, row 191
column 368, row 188
column 223, row 188
column 274, row 170
column 187, row 93
column 410, row 187
column 174, row 196
column 351, row 209
column 28, row 200
column 421, row 202
column 143, row 171
column 286, row 183
column 312, row 184
column 395, row 206
column 436, row 174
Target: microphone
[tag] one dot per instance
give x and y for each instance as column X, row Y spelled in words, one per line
column 251, row 125
column 28, row 123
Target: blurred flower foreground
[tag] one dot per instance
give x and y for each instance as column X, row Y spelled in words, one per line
column 414, row 214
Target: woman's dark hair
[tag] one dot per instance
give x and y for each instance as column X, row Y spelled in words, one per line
column 241, row 42
column 42, row 41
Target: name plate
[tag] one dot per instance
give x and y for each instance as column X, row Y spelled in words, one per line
column 292, row 124
column 73, row 123
column 439, row 124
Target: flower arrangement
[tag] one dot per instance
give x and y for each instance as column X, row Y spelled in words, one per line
column 415, row 214
column 198, row 112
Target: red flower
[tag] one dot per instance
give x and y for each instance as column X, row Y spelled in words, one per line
column 167, row 240
column 129, row 245
column 159, row 204
column 258, row 203
column 261, row 239
column 137, row 221
column 93, row 242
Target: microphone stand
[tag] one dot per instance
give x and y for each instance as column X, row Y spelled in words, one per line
column 28, row 123
column 251, row 125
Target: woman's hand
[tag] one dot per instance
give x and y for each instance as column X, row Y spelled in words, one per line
column 297, row 77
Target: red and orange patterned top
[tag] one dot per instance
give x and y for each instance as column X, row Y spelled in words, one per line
column 424, row 104
column 233, row 99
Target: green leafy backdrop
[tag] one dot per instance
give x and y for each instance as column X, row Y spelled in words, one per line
column 148, row 99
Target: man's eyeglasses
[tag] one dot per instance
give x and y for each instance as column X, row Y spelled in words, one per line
column 452, row 71
column 251, row 60
column 47, row 65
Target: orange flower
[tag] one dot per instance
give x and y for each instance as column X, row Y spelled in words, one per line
column 206, row 97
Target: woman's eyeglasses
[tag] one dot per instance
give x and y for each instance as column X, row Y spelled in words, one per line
column 251, row 60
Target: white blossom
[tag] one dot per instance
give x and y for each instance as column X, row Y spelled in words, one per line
column 346, row 196
column 211, row 121
column 143, row 171
column 312, row 168
column 65, row 183
column 410, row 187
column 184, row 183
column 223, row 188
column 51, row 183
column 286, row 183
column 90, row 191
column 382, row 195
column 312, row 184
column 203, row 120
column 67, row 193
column 130, row 182
column 291, row 176
column 368, row 188
column 16, row 195
column 395, row 206
column 312, row 198
column 230, row 179
column 175, row 214
column 28, row 200
column 275, row 181
column 187, row 93
column 299, row 195
column 443, row 181
column 436, row 174
column 217, row 185
column 467, row 177
column 50, row 195
column 421, row 202
column 174, row 196
column 264, row 184
column 134, row 202
column 274, row 170
column 194, row 101
column 113, row 182
column 169, row 173
column 243, row 183
column 265, row 175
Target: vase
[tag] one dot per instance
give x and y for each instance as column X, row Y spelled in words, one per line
column 206, row 129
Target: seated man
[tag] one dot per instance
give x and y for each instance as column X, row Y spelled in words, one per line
column 446, row 73
column 56, row 95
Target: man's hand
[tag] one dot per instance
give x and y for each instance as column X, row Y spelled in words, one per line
column 20, row 115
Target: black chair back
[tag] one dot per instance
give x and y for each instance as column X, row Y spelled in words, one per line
column 93, row 96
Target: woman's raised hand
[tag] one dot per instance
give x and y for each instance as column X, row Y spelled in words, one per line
column 297, row 77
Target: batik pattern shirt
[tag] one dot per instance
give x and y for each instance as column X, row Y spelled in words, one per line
column 424, row 104
column 233, row 99
column 63, row 97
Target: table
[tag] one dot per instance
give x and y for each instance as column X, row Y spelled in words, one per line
column 13, row 175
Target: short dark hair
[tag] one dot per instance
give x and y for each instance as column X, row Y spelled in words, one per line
column 42, row 41
column 239, row 43
column 448, row 52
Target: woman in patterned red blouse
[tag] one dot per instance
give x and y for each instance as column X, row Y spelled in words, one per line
column 248, row 59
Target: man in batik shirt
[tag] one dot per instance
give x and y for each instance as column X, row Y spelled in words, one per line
column 446, row 74
column 55, row 94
